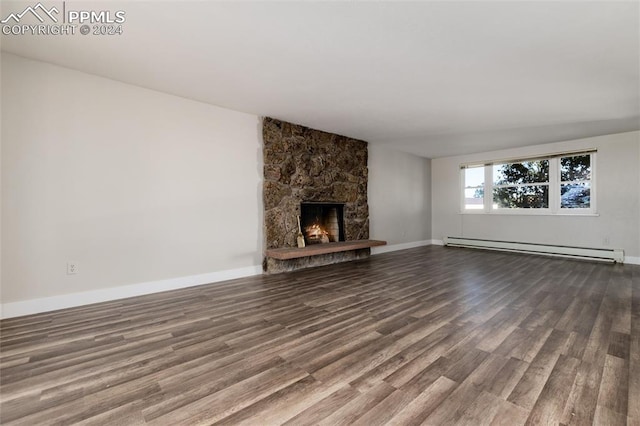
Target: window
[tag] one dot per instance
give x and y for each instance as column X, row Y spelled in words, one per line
column 474, row 188
column 523, row 185
column 575, row 182
column 562, row 184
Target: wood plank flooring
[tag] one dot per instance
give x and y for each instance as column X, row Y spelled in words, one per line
column 431, row 335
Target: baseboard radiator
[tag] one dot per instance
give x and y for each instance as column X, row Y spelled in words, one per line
column 601, row 254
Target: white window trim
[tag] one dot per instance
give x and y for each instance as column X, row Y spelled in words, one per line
column 592, row 210
column 554, row 184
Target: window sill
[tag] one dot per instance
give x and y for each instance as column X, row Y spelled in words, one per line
column 528, row 213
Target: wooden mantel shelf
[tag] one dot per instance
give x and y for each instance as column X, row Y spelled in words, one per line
column 316, row 249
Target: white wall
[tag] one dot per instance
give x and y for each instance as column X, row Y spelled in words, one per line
column 1, row 192
column 399, row 197
column 136, row 186
column 618, row 201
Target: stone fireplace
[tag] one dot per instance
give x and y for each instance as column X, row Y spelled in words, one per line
column 307, row 174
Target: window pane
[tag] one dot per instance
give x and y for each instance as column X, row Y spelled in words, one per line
column 575, row 196
column 525, row 172
column 473, row 177
column 474, row 198
column 522, row 197
column 575, row 168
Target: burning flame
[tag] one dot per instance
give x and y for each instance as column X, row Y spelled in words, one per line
column 315, row 233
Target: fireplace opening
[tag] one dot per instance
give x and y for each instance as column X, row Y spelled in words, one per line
column 322, row 222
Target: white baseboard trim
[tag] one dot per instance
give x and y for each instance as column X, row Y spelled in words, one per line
column 437, row 242
column 53, row 303
column 401, row 246
column 632, row 260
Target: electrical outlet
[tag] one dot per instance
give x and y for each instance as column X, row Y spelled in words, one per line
column 72, row 268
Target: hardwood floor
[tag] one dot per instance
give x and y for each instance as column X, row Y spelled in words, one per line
column 430, row 335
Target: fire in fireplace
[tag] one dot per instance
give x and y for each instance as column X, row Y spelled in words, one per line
column 322, row 222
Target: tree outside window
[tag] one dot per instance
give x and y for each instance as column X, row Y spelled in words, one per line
column 575, row 185
column 522, row 185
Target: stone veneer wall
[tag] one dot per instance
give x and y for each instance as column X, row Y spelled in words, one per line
column 303, row 164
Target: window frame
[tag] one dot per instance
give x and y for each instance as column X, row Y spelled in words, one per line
column 554, row 185
column 592, row 186
column 515, row 185
column 464, row 188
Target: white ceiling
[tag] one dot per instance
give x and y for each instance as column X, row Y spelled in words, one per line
column 431, row 78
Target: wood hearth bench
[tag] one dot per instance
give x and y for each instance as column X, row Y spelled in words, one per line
column 317, row 249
